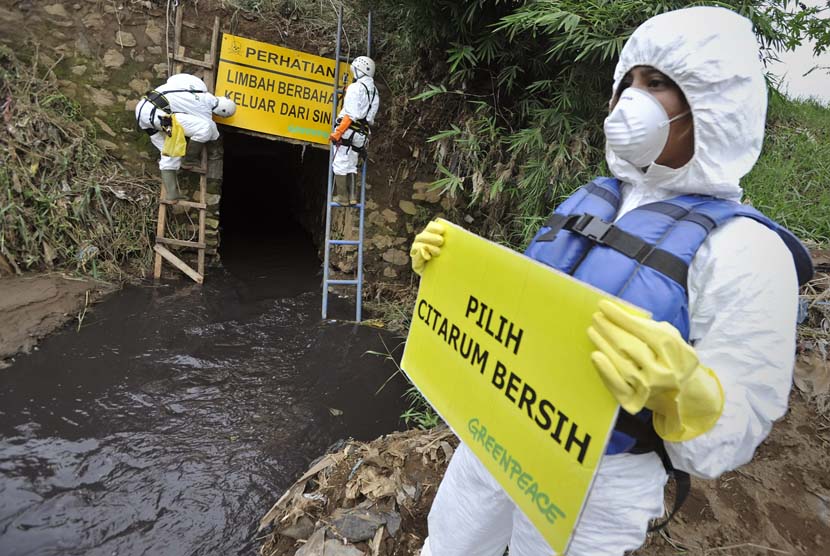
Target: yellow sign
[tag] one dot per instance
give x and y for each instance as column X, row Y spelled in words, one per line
column 498, row 345
column 278, row 91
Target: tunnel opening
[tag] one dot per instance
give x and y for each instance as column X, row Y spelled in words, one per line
column 271, row 213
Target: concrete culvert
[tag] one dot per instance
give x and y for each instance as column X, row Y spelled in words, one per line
column 272, row 208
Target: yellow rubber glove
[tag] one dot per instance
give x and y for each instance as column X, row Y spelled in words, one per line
column 175, row 145
column 645, row 363
column 427, row 245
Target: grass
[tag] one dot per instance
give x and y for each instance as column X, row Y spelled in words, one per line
column 64, row 202
column 791, row 181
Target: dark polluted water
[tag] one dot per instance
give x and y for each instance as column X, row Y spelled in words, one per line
column 178, row 414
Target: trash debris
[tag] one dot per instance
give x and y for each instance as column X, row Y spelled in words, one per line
column 362, row 498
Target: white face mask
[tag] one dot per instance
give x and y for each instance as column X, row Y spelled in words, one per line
column 637, row 129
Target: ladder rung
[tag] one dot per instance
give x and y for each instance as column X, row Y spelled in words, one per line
column 193, row 61
column 344, row 242
column 356, row 205
column 180, row 242
column 343, row 282
column 188, row 204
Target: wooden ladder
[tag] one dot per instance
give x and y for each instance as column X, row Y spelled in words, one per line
column 161, row 248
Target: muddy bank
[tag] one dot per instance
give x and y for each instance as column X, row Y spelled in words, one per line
column 35, row 305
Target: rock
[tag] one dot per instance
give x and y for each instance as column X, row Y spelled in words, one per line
column 376, row 219
column 389, row 272
column 154, row 50
column 424, row 192
column 212, row 223
column 160, row 69
column 408, row 207
column 113, row 59
column 371, row 205
column 140, row 86
column 82, row 46
column 107, row 145
column 432, row 195
column 139, row 58
column 125, row 38
column 56, row 10
column 102, row 98
column 381, row 241
column 212, row 199
column 93, row 21
column 78, row 70
column 396, row 257
column 154, row 32
column 300, row 530
column 389, row 215
column 130, row 105
column 103, row 125
column 356, row 525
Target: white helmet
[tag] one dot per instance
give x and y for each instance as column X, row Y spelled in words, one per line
column 225, row 107
column 364, row 65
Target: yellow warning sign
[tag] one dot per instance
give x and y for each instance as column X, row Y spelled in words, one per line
column 498, row 345
column 278, row 91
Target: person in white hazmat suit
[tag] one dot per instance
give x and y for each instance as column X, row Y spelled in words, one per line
column 695, row 72
column 188, row 98
column 351, row 134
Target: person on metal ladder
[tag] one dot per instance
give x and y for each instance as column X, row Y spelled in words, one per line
column 181, row 105
column 701, row 382
column 352, row 131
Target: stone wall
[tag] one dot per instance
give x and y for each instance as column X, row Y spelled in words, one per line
column 106, row 54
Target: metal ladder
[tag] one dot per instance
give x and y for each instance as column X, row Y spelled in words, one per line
column 360, row 206
column 161, row 247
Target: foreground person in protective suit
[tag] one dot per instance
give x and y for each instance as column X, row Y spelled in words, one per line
column 186, row 99
column 712, row 370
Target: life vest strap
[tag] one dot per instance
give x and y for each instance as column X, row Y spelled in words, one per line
column 606, row 234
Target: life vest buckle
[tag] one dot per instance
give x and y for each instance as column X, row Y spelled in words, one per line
column 592, row 227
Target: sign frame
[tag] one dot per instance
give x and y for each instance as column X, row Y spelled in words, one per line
column 279, row 92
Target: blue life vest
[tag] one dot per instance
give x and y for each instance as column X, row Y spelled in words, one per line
column 643, row 257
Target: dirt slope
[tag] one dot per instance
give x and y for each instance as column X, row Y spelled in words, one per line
column 33, row 306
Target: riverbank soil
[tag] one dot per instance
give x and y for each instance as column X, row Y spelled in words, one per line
column 376, row 496
column 35, row 305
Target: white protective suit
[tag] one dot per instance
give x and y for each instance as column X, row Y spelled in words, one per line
column 360, row 103
column 743, row 297
column 193, row 109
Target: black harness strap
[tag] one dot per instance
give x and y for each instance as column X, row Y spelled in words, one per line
column 608, row 235
column 160, row 102
column 647, row 440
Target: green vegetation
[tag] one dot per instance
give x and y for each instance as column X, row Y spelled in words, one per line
column 528, row 82
column 65, row 203
column 791, row 181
